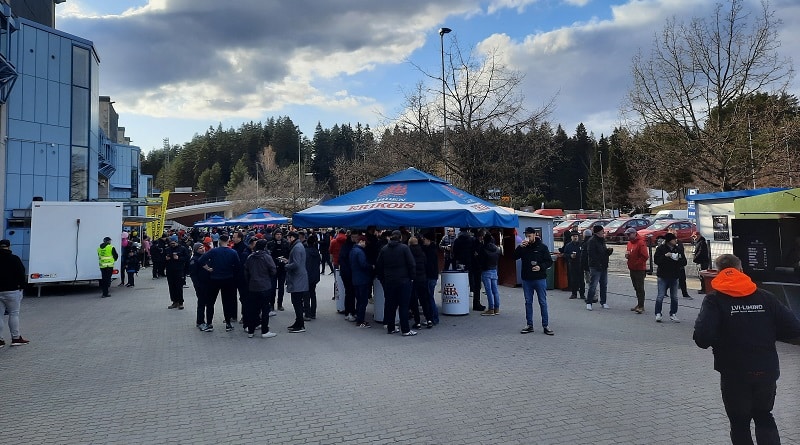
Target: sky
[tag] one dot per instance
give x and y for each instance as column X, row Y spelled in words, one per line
column 174, row 68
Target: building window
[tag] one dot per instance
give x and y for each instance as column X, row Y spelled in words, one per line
column 80, row 116
column 79, row 178
column 80, row 67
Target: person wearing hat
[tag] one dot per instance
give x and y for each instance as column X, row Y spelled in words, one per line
column 670, row 260
column 12, row 281
column 536, row 260
column 701, row 257
column 296, row 279
column 107, row 256
column 572, row 253
column 176, row 256
column 637, row 255
column 741, row 323
column 597, row 256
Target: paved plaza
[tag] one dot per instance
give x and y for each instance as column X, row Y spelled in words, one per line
column 125, row 370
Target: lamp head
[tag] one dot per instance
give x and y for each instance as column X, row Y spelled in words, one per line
column 443, row 31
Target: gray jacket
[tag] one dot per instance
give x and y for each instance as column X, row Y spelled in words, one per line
column 259, row 270
column 296, row 274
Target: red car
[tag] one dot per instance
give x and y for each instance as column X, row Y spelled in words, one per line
column 655, row 233
column 615, row 230
column 565, row 226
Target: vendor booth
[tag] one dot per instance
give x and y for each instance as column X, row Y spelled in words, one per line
column 766, row 237
column 258, row 217
column 412, row 198
column 214, row 221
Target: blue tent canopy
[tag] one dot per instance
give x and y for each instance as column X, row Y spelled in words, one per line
column 406, row 198
column 214, row 221
column 258, row 216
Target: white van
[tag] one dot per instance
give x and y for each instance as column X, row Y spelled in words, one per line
column 671, row 214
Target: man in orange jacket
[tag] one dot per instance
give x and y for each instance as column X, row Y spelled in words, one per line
column 741, row 324
column 637, row 255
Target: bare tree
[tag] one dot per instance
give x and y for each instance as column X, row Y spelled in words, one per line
column 687, row 94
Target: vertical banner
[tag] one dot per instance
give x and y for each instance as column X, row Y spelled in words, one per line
column 157, row 210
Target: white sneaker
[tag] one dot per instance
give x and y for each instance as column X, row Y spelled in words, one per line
column 658, row 318
column 674, row 318
column 605, row 306
column 272, row 313
column 589, row 307
column 250, row 335
column 350, row 318
column 268, row 335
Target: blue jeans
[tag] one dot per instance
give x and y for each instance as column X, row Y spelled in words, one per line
column 597, row 276
column 489, row 278
column 10, row 302
column 432, row 293
column 665, row 284
column 540, row 286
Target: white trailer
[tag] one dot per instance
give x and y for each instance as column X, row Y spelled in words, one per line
column 65, row 236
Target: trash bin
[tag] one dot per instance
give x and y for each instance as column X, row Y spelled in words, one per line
column 562, row 278
column 707, row 276
column 551, row 273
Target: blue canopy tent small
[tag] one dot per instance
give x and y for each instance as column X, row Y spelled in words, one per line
column 406, row 198
column 258, row 216
column 214, row 221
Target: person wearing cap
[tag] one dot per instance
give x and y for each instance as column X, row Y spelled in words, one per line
column 296, row 280
column 259, row 268
column 395, row 268
column 536, row 260
column 741, row 323
column 199, row 278
column 572, row 252
column 12, row 281
column 701, row 256
column 637, row 255
column 107, row 256
column 669, row 260
column 597, row 256
column 176, row 256
column 361, row 271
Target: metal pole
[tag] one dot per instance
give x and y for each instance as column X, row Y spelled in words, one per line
column 580, row 190
column 752, row 161
column 299, row 163
column 442, row 32
column 602, row 183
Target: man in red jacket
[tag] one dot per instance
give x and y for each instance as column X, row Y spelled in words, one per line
column 637, row 256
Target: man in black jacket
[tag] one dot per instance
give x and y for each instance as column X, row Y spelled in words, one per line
column 12, row 281
column 278, row 248
column 395, row 268
column 670, row 260
column 536, row 260
column 597, row 255
column 701, row 257
column 176, row 256
column 741, row 324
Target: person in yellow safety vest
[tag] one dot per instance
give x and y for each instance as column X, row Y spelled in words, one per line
column 107, row 256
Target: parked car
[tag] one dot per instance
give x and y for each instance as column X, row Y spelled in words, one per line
column 615, row 230
column 589, row 223
column 654, row 234
column 565, row 226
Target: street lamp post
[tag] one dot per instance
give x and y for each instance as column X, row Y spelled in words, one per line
column 442, row 32
column 299, row 159
column 580, row 191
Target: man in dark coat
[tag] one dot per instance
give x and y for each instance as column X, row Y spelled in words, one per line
column 536, row 260
column 597, row 255
column 279, row 249
column 670, row 260
column 701, row 257
column 395, row 268
column 572, row 254
column 176, row 256
column 12, row 281
column 741, row 324
column 296, row 280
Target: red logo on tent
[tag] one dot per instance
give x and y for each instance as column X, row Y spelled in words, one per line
column 454, row 191
column 394, row 190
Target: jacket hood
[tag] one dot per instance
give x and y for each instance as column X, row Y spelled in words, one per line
column 733, row 282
